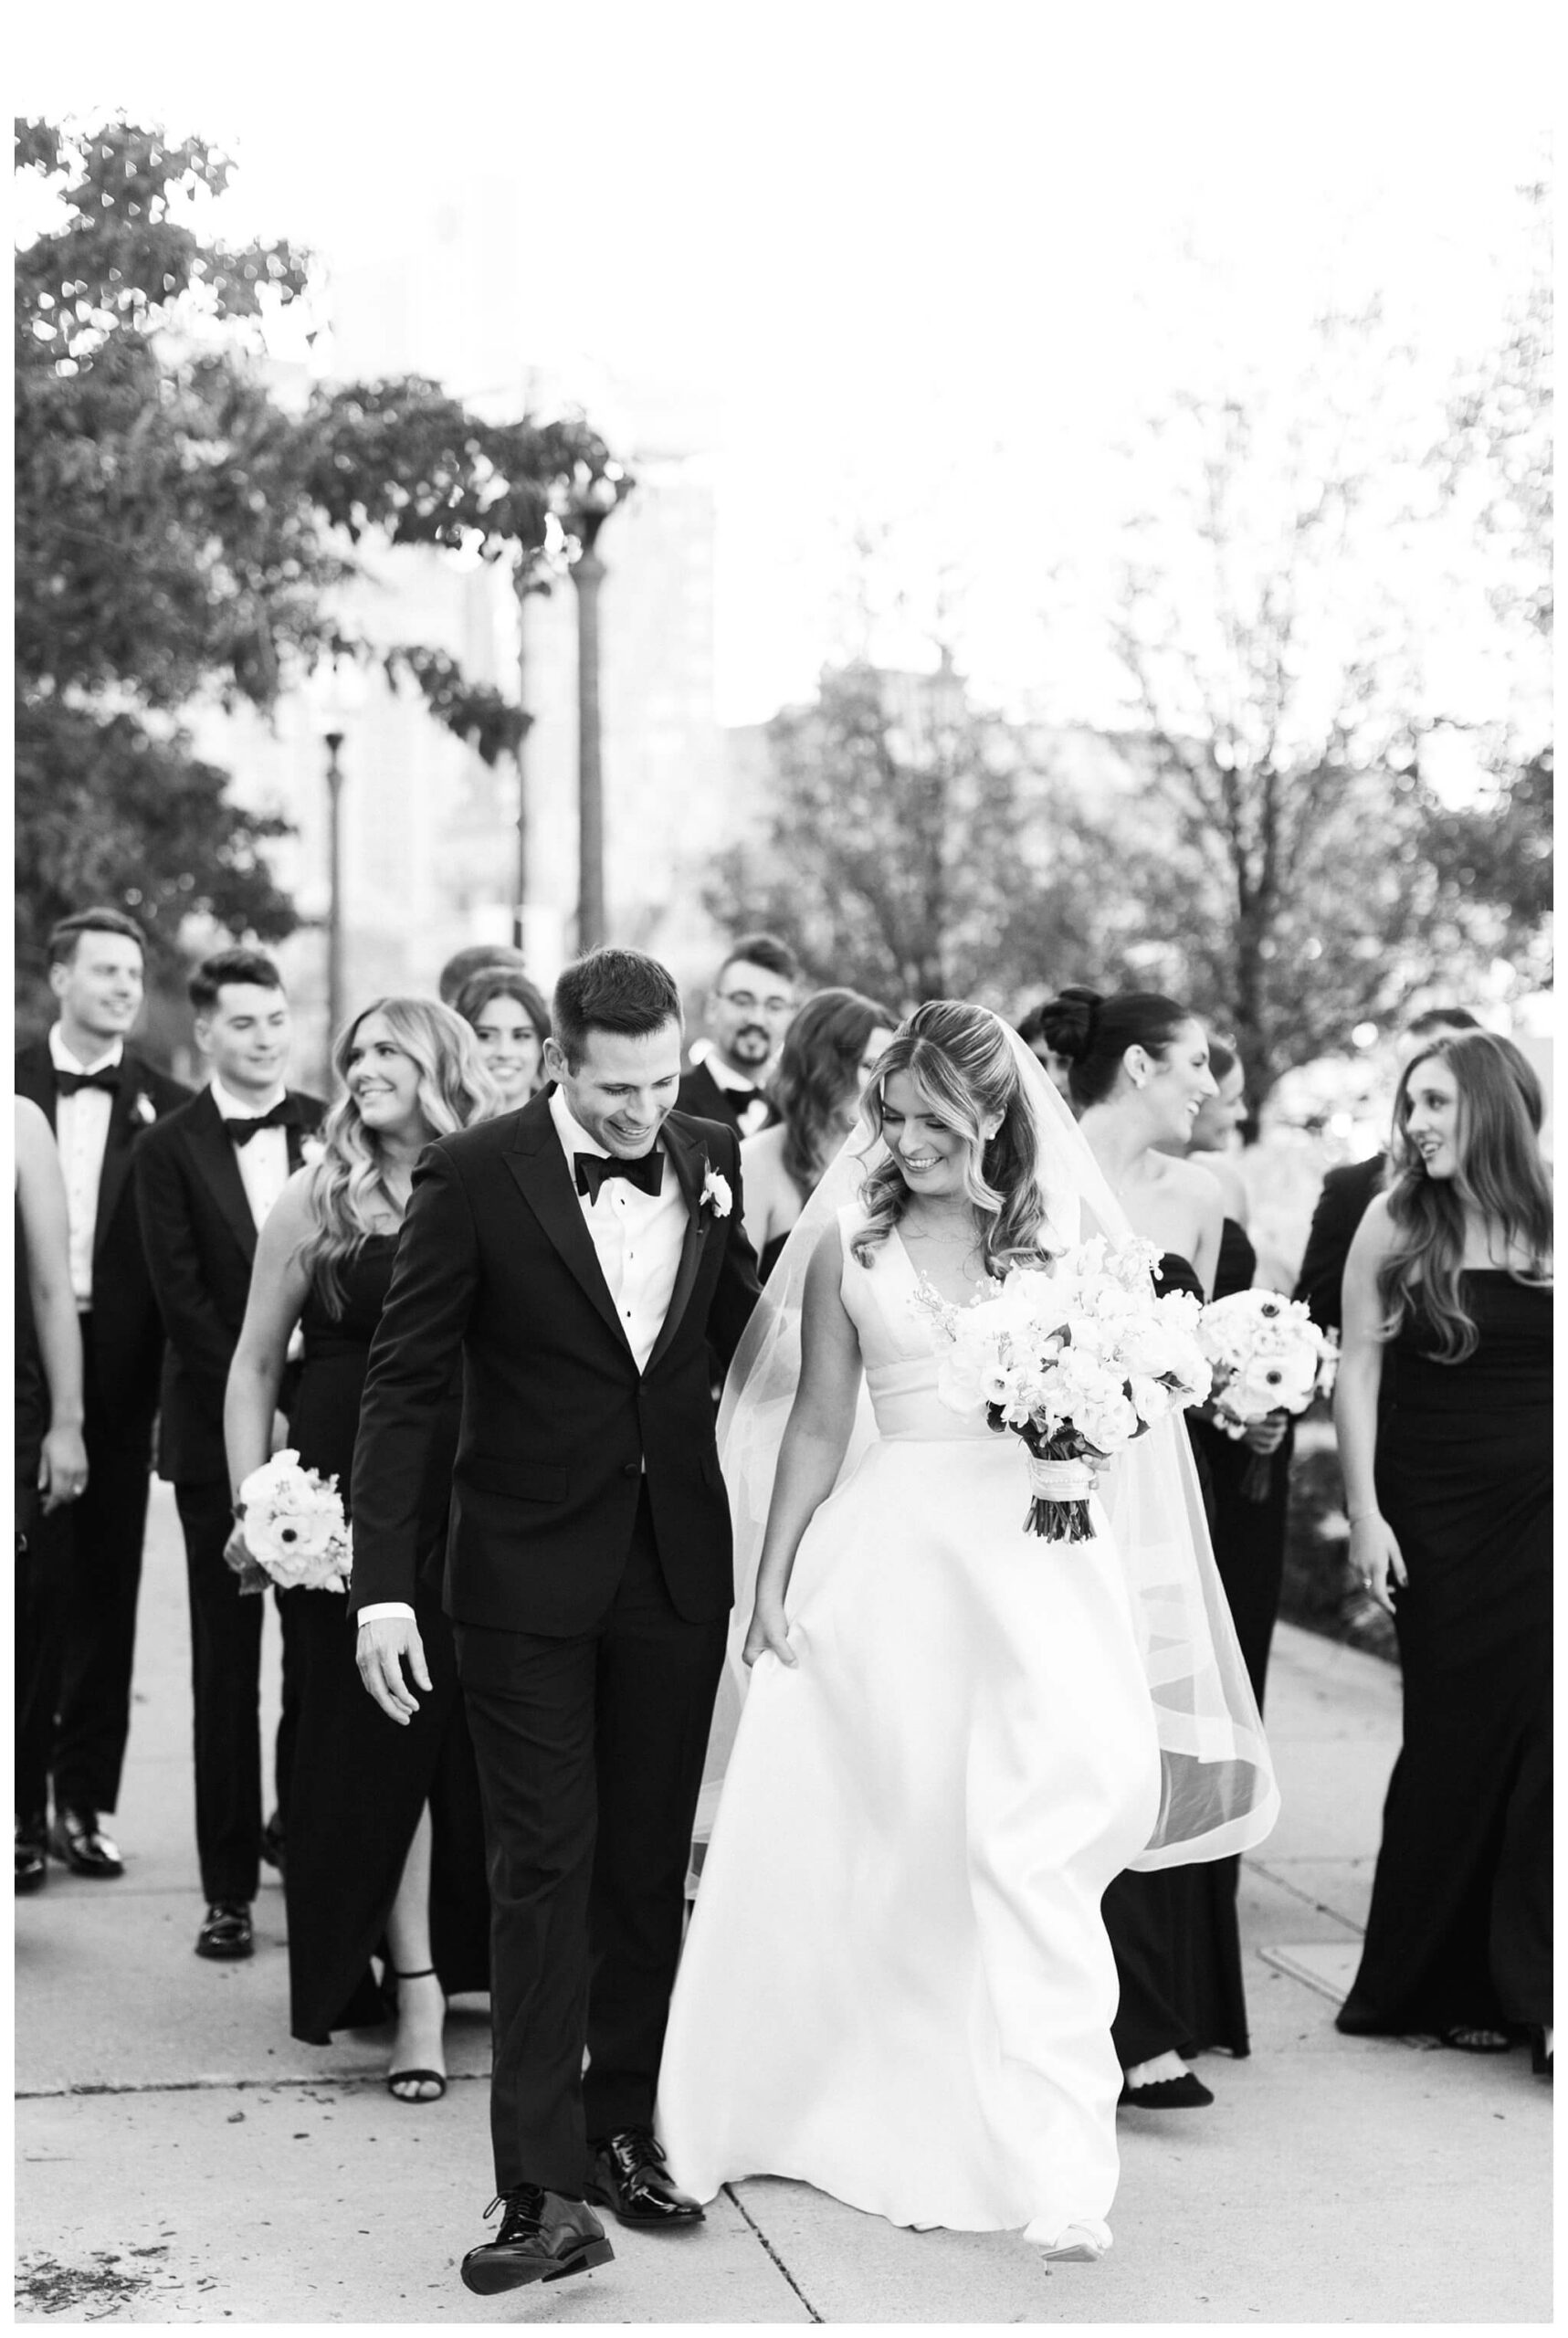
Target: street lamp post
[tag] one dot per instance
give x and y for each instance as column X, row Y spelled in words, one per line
column 587, row 575
column 588, row 504
column 335, row 740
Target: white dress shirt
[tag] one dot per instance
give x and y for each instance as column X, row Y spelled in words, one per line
column 752, row 1114
column 263, row 1159
column 637, row 1238
column 81, row 1132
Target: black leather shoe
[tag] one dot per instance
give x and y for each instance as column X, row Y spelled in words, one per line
column 226, row 1931
column 272, row 1841
column 626, row 2174
column 32, row 1854
column 543, row 2237
column 77, row 1838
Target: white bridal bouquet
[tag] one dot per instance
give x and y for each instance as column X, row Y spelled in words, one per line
column 291, row 1522
column 1077, row 1360
column 1267, row 1356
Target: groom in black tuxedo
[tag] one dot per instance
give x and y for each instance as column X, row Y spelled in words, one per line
column 582, row 1253
column 206, row 1178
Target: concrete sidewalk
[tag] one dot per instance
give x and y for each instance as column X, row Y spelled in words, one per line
column 180, row 2159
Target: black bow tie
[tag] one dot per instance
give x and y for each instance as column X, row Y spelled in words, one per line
column 285, row 1115
column 646, row 1172
column 71, row 1083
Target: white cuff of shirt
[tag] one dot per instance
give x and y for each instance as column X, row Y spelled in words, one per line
column 380, row 1608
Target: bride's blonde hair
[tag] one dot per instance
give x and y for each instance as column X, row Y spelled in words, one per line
column 454, row 1088
column 961, row 1062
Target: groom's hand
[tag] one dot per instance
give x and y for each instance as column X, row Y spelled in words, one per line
column 386, row 1650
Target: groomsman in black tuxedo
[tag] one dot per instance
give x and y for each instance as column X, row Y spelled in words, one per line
column 1347, row 1191
column 206, row 1178
column 581, row 1254
column 749, row 1009
column 85, row 1567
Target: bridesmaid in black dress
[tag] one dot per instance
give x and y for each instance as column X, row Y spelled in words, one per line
column 386, row 1854
column 1140, row 1073
column 828, row 1054
column 1443, row 1408
column 1249, row 1533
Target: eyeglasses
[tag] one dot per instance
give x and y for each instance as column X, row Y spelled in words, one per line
column 748, row 1002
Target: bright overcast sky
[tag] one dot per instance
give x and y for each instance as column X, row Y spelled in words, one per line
column 909, row 267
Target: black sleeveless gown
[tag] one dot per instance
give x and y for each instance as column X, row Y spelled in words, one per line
column 1175, row 1933
column 1248, row 1536
column 359, row 1780
column 1460, row 1928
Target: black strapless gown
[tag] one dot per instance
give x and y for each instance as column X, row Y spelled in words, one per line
column 1175, row 1934
column 1460, row 1928
column 359, row 1780
column 1248, row 1536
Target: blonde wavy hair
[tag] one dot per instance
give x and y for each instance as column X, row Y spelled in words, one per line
column 455, row 1089
column 961, row 1059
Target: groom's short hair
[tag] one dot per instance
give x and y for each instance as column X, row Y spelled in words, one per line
column 612, row 990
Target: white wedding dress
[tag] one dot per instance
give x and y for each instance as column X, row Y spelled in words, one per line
column 897, row 1985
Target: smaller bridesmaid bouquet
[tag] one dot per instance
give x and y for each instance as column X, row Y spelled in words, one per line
column 1077, row 1360
column 1268, row 1357
column 289, row 1530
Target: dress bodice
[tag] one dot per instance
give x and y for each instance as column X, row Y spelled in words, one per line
column 898, row 1341
column 1507, row 1373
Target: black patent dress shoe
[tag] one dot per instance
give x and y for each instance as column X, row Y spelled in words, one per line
column 77, row 1838
column 226, row 1931
column 32, row 1854
column 543, row 2237
column 626, row 2174
column 272, row 1841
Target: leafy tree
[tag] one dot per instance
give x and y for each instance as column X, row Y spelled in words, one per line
column 1297, row 867
column 182, row 531
column 909, row 845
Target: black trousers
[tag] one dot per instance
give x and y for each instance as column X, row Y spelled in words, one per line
column 590, row 1755
column 226, row 1695
column 79, row 1610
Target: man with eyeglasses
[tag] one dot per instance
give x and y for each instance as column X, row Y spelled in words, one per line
column 749, row 1009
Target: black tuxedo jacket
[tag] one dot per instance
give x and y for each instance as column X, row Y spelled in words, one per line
column 558, row 1423
column 700, row 1095
column 127, row 1332
column 200, row 1240
column 1341, row 1205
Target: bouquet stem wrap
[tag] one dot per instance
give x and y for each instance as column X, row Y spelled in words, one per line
column 1258, row 1478
column 1060, row 1482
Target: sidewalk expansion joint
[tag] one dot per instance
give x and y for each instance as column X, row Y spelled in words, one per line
column 1308, row 1899
column 811, row 2310
column 219, row 2084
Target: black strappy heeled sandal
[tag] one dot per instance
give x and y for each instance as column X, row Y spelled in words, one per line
column 396, row 2078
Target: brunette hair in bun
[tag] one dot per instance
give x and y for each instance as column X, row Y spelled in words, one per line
column 1094, row 1034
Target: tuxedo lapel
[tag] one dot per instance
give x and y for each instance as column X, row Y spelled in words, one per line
column 539, row 1166
column 124, row 1128
column 689, row 1158
column 213, row 1155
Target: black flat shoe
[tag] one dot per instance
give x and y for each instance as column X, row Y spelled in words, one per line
column 1186, row 2093
column 225, row 1931
column 77, row 1839
column 543, row 2237
column 626, row 2175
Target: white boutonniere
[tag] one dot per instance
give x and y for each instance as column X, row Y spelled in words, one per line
column 716, row 1195
column 144, row 1110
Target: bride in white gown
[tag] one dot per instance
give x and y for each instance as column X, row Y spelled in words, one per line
column 897, row 1985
